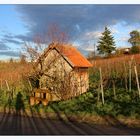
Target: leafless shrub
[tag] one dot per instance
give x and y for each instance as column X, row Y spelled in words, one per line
column 49, row 73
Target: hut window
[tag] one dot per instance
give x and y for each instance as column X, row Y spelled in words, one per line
column 44, row 95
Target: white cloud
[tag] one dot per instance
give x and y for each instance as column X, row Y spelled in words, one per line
column 78, row 27
column 92, row 35
column 125, row 38
column 90, row 48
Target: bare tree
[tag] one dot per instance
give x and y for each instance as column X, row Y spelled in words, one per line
column 60, row 81
column 55, row 34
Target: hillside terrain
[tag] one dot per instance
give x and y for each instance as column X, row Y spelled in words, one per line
column 117, row 101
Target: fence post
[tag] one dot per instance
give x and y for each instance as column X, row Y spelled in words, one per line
column 137, row 80
column 114, row 89
column 7, row 85
column 125, row 76
column 30, row 85
column 130, row 74
column 101, row 84
column 1, row 83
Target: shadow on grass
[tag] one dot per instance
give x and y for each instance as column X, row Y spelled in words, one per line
column 35, row 124
column 112, row 121
column 19, row 106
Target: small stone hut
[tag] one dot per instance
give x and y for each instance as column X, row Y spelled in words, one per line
column 65, row 72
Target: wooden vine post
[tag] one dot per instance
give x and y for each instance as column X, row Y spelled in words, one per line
column 98, row 95
column 114, row 89
column 137, row 80
column 130, row 75
column 1, row 83
column 8, row 88
column 101, row 84
column 30, row 85
column 125, row 76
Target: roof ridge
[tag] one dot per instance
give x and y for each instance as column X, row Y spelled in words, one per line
column 72, row 54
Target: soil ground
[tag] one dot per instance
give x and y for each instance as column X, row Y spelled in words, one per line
column 17, row 124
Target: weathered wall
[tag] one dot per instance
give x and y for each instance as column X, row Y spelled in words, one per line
column 74, row 81
column 82, row 78
column 54, row 65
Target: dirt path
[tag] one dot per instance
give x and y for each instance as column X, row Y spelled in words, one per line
column 12, row 124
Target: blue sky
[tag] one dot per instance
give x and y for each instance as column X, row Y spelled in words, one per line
column 83, row 23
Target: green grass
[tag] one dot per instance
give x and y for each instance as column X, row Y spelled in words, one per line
column 7, row 102
column 126, row 104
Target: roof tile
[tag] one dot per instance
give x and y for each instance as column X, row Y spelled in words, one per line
column 73, row 55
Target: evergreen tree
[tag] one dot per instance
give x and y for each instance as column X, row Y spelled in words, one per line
column 11, row 60
column 106, row 43
column 22, row 59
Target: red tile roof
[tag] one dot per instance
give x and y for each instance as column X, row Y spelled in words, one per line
column 72, row 55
